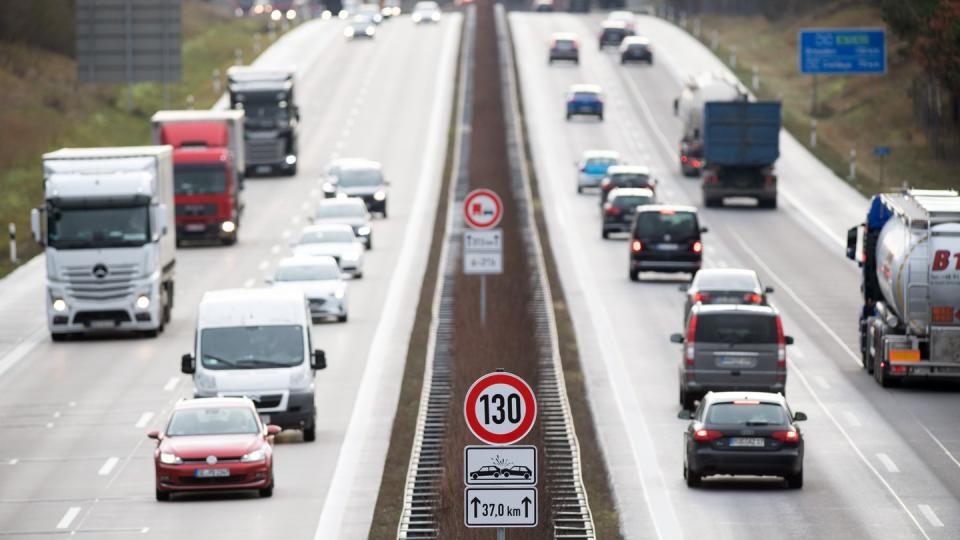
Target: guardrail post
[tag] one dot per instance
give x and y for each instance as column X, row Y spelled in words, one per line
column 216, row 80
column 190, row 101
column 12, row 228
column 756, row 77
column 733, row 57
column 813, row 133
column 257, row 45
column 853, row 164
column 714, row 39
column 237, row 57
column 696, row 28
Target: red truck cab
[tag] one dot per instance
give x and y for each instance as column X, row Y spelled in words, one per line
column 206, row 186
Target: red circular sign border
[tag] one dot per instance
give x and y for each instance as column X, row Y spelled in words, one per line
column 481, row 384
column 496, row 198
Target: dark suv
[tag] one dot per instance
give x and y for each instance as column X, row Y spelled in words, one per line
column 665, row 239
column 751, row 433
column 612, row 33
column 732, row 347
column 564, row 46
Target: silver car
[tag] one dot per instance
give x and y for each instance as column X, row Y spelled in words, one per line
column 337, row 241
column 360, row 26
column 320, row 281
column 350, row 211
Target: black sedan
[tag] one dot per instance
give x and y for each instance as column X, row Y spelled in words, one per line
column 725, row 286
column 636, row 49
column 621, row 206
column 743, row 433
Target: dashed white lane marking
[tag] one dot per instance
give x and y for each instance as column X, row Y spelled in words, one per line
column 350, row 122
column 887, row 463
column 13, row 461
column 930, row 515
column 72, row 404
column 145, row 530
column 108, row 466
column 248, row 284
column 275, row 249
column 49, row 425
column 852, row 419
column 821, row 382
column 354, row 111
column 68, row 518
column 941, row 445
column 56, row 414
column 144, row 419
column 172, row 383
column 263, row 265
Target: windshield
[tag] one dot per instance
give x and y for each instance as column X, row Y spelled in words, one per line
column 317, row 272
column 213, row 421
column 585, row 96
column 564, row 44
column 199, row 179
column 736, row 328
column 759, row 414
column 252, row 347
column 83, row 228
column 680, row 226
column 734, row 282
column 629, row 201
column 263, row 110
column 324, row 237
column 359, row 177
column 600, row 162
column 340, row 210
column 631, row 179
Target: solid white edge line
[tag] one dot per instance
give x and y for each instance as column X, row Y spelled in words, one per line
column 931, row 516
column 68, row 517
column 144, row 419
column 783, row 285
column 108, row 466
column 941, row 445
column 887, row 462
column 347, row 467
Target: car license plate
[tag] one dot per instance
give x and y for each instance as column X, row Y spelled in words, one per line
column 265, row 418
column 195, row 227
column 727, row 300
column 264, row 168
column 585, row 108
column 211, row 473
column 103, row 324
column 747, row 442
column 736, row 362
column 668, row 247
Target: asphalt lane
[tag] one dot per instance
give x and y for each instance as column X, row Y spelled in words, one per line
column 75, row 458
column 872, row 469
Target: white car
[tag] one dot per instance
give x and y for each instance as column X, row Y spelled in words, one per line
column 337, row 241
column 320, row 281
column 426, row 12
column 626, row 17
column 360, row 26
column 350, row 211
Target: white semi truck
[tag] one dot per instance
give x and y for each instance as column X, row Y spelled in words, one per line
column 689, row 107
column 107, row 228
column 910, row 257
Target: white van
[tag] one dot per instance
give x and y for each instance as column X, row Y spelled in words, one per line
column 256, row 343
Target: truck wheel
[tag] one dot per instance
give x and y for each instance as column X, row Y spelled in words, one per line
column 310, row 432
column 634, row 275
column 579, row 189
column 292, row 171
column 605, row 234
column 711, row 202
column 768, row 203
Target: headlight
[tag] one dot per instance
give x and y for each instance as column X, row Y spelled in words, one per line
column 363, row 231
column 256, row 455
column 291, row 14
column 228, row 226
column 379, row 196
column 205, row 381
column 276, row 15
column 348, row 31
column 435, row 17
column 343, row 14
column 291, row 159
column 340, row 293
column 143, row 302
column 369, row 31
column 300, row 379
column 59, row 305
column 329, row 188
column 326, row 15
column 416, row 17
column 170, row 459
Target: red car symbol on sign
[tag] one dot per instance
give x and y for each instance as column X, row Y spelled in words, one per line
column 482, row 209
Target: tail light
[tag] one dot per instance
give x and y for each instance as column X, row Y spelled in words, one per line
column 689, row 350
column 900, row 370
column 636, row 246
column 667, row 212
column 710, row 179
column 701, row 297
column 605, row 183
column 697, row 247
column 706, row 435
column 752, row 298
column 770, row 180
column 553, row 43
column 696, row 163
column 684, row 159
column 612, row 210
column 781, row 346
column 791, row 436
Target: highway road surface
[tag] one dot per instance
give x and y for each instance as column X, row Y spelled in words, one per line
column 75, row 457
column 879, row 463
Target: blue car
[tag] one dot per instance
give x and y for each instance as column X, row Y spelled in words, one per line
column 592, row 168
column 586, row 100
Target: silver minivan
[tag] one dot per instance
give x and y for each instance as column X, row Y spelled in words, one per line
column 732, row 347
column 256, row 343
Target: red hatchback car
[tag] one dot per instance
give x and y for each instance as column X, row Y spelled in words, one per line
column 214, row 444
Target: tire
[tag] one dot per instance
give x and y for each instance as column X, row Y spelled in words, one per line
column 795, row 481
column 59, row 338
column 162, row 495
column 506, row 475
column 342, row 318
column 473, row 476
column 634, row 275
column 496, row 475
column 605, row 234
column 569, row 116
column 768, row 203
column 687, row 400
column 291, row 171
column 692, row 478
column 310, row 433
column 579, row 189
column 600, row 116
column 230, row 240
column 152, row 333
column 266, row 492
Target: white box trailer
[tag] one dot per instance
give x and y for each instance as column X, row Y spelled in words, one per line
column 107, row 227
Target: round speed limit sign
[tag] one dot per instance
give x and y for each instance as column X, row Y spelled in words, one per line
column 500, row 408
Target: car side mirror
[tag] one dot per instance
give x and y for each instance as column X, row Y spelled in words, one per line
column 153, row 435
column 704, row 229
column 188, row 364
column 788, row 340
column 319, row 360
column 685, row 414
column 852, row 242
column 268, row 280
column 676, row 338
column 768, row 290
column 676, row 106
column 273, row 429
column 799, row 416
column 36, row 221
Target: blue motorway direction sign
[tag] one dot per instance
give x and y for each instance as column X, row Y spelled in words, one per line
column 842, row 51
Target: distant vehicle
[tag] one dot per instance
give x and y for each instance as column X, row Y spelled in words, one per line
column 214, row 444
column 585, row 100
column 665, row 238
column 255, row 343
column 613, row 33
column 487, row 470
column 626, row 17
column 744, row 433
column 363, row 178
column 636, row 49
column 697, row 91
column 346, row 211
column 621, row 176
column 337, row 241
column 592, row 167
column 426, row 12
column 360, row 26
column 910, row 260
column 319, row 279
column 621, row 206
column 271, row 116
column 564, row 46
column 543, row 6
column 208, row 169
column 724, row 286
column 372, row 11
column 732, row 347
column 517, row 471
column 107, row 227
column 391, row 8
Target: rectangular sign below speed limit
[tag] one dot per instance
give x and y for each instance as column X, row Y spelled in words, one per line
column 482, row 262
column 500, row 506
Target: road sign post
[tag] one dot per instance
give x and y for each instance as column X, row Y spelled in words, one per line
column 483, row 245
column 882, row 152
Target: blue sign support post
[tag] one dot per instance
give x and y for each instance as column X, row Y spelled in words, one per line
column 841, row 51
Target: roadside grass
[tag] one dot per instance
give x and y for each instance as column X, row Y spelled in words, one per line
column 855, row 112
column 49, row 109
